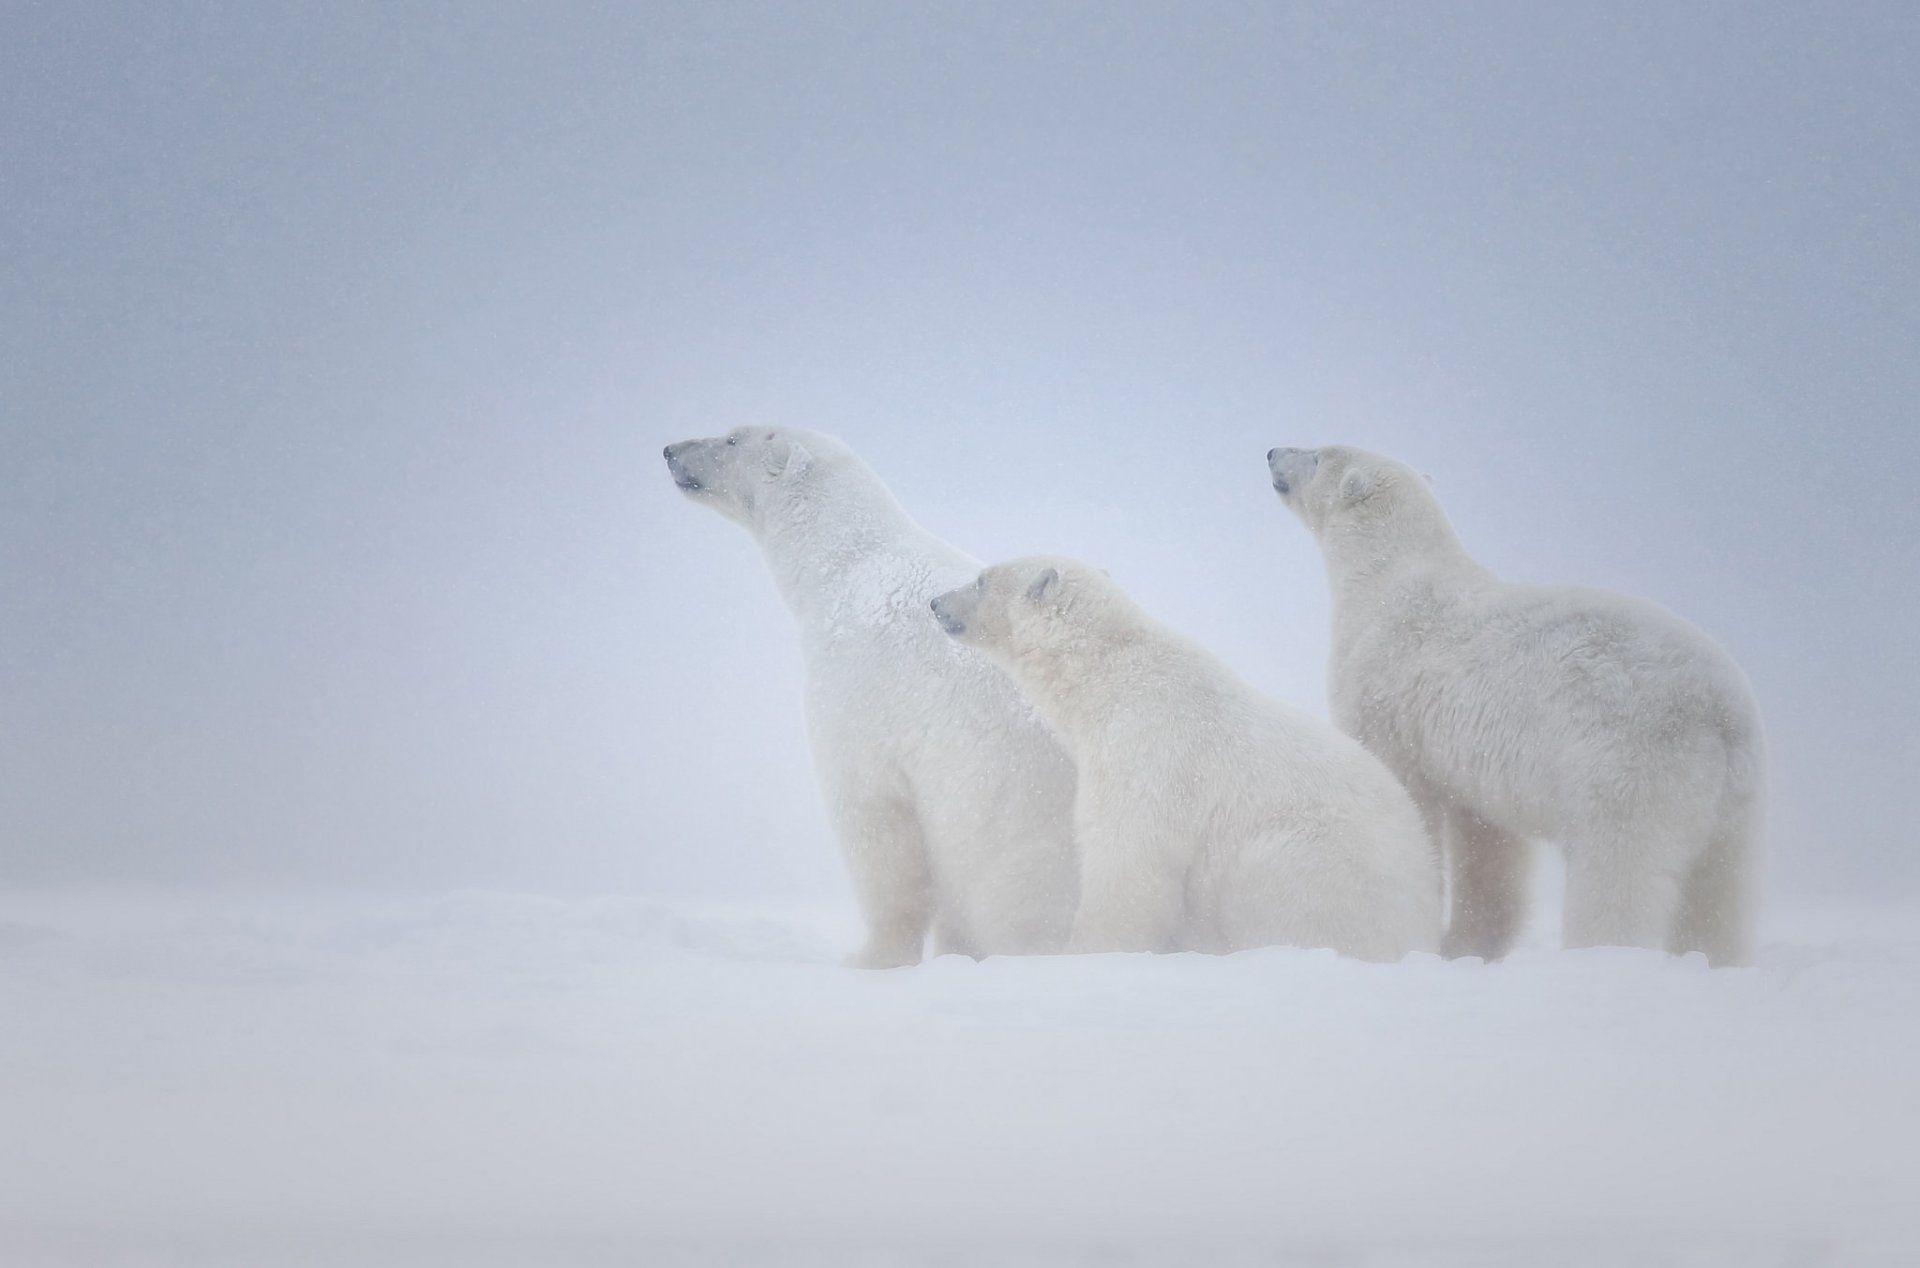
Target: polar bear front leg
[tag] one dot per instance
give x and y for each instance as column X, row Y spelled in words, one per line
column 1487, row 874
column 892, row 877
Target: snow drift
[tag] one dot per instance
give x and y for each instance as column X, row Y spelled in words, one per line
column 490, row 1079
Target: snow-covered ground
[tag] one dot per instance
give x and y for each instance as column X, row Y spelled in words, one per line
column 488, row 1079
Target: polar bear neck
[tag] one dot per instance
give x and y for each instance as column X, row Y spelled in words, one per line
column 1112, row 664
column 1370, row 555
column 845, row 554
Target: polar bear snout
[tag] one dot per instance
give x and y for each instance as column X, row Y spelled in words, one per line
column 956, row 609
column 677, row 467
column 945, row 611
column 1291, row 468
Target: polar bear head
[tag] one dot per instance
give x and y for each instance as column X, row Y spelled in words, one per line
column 1016, row 609
column 748, row 471
column 1342, row 493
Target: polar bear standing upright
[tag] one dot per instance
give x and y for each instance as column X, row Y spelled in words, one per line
column 951, row 802
column 1209, row 817
column 1600, row 722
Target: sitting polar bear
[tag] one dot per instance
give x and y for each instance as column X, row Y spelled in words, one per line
column 952, row 804
column 1209, row 817
column 1511, row 712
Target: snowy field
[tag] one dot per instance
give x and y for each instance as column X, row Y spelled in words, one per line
column 489, row 1080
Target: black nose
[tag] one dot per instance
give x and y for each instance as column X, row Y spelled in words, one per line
column 1271, row 452
column 667, row 453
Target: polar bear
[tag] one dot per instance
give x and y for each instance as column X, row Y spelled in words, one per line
column 1511, row 712
column 1209, row 817
column 952, row 803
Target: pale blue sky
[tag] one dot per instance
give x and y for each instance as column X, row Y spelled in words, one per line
column 338, row 343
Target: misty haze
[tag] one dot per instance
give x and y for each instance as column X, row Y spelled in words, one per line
column 430, row 834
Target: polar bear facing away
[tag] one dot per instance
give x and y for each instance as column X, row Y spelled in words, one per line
column 1597, row 721
column 1209, row 817
column 951, row 802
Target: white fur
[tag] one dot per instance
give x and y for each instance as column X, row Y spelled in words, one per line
column 1209, row 816
column 1513, row 712
column 952, row 804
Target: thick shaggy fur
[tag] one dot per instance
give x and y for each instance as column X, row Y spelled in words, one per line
column 1209, row 817
column 1511, row 712
column 952, row 803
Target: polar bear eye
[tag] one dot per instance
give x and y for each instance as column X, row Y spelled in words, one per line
column 733, row 440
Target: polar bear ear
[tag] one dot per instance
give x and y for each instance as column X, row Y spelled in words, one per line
column 1044, row 584
column 1356, row 484
column 787, row 458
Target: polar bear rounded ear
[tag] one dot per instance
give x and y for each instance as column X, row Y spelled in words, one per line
column 787, row 458
column 1356, row 484
column 1044, row 584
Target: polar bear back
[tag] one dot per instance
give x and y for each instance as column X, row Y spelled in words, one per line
column 1554, row 704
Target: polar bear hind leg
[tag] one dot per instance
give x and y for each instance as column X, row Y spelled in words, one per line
column 1129, row 899
column 1716, row 897
column 1623, row 887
